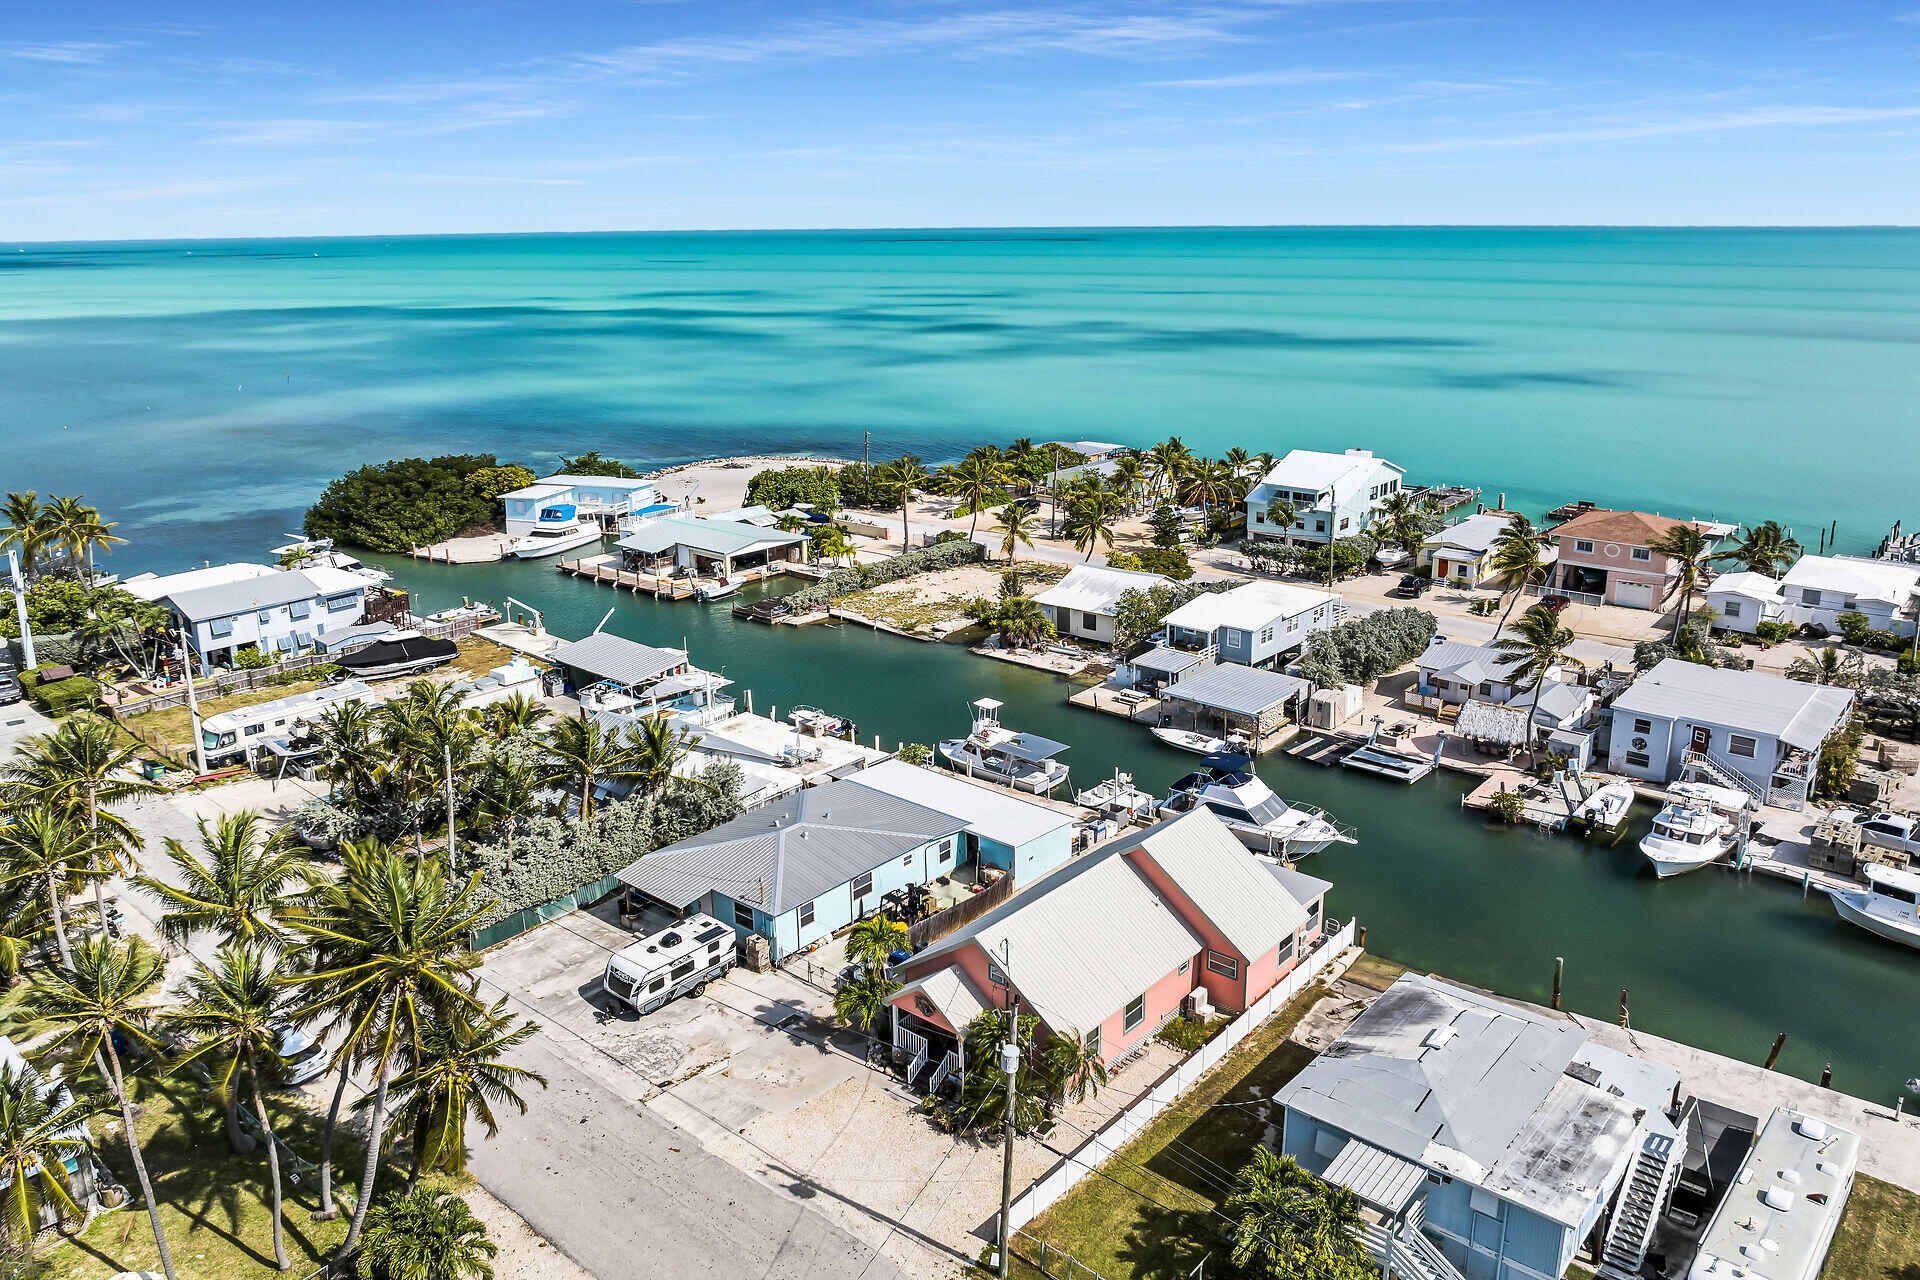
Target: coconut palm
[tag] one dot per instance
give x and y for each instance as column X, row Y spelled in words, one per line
column 40, row 1130
column 581, row 751
column 1538, row 645
column 458, row 1073
column 1209, row 484
column 232, row 1012
column 1075, row 1067
column 659, row 748
column 45, row 849
column 505, row 795
column 1280, row 513
column 1828, row 666
column 1126, row 479
column 24, row 925
column 79, row 769
column 108, row 998
column 1687, row 548
column 391, row 941
column 26, row 529
column 1022, row 622
column 899, row 479
column 875, row 938
column 426, row 1236
column 1765, row 548
column 1399, row 522
column 975, row 479
column 862, row 1001
column 88, row 534
column 518, row 714
column 424, row 733
column 1286, row 1222
column 349, row 749
column 1015, row 525
column 246, row 888
column 831, row 542
column 1089, row 524
column 1516, row 562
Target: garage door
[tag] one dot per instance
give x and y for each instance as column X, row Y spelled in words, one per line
column 1634, row 595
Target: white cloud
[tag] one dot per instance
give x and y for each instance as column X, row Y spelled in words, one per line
column 70, row 52
column 1262, row 80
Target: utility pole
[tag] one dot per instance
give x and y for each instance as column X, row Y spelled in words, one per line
column 1010, row 1064
column 866, row 453
column 28, row 661
column 193, row 710
column 447, row 748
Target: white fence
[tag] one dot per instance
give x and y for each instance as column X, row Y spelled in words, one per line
column 1124, row 1127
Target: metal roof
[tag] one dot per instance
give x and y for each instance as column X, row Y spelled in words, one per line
column 1303, row 887
column 1472, row 663
column 1760, row 1232
column 1249, row 607
column 1171, row 661
column 1799, row 714
column 1095, row 589
column 226, row 599
column 1314, row 469
column 1378, row 1177
column 1884, row 580
column 1753, row 586
column 615, row 658
column 1227, row 884
column 1240, row 690
column 712, row 537
column 951, row 991
column 987, row 811
column 1560, row 700
column 151, row 586
column 792, row 850
column 1476, row 533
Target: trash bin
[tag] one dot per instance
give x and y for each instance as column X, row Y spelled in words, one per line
column 156, row 770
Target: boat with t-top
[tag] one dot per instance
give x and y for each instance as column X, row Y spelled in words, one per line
column 1024, row 761
column 1265, row 823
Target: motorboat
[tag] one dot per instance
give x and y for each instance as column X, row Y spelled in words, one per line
column 1699, row 824
column 718, row 588
column 1117, row 797
column 560, row 527
column 819, row 723
column 1265, row 823
column 1606, row 808
column 1886, row 906
column 397, row 653
column 321, row 551
column 476, row 610
column 1200, row 744
column 1024, row 761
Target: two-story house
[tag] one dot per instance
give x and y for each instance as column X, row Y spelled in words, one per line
column 1818, row 589
column 612, row 499
column 1254, row 625
column 1333, row 495
column 279, row 610
column 1758, row 732
column 1607, row 557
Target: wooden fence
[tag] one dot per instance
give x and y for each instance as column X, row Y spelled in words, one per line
column 962, row 913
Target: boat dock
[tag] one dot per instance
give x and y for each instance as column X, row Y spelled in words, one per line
column 1445, row 497
column 1129, row 704
column 1323, row 749
column 606, row 569
column 1542, row 804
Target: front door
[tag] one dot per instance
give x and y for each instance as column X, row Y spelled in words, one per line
column 1702, row 737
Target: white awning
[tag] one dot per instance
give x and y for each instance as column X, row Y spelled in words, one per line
column 1378, row 1177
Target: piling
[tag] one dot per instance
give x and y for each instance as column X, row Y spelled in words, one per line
column 1360, row 938
column 1779, row 1043
column 1826, row 1076
column 1623, row 1006
column 1559, row 971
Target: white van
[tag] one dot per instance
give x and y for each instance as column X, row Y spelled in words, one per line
column 679, row 960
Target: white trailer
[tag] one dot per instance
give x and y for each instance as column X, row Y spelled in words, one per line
column 679, row 960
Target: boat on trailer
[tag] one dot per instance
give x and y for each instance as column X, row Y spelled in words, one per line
column 1024, row 761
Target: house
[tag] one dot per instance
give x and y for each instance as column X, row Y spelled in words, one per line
column 1454, row 671
column 1002, row 829
column 1117, row 942
column 1232, row 700
column 1254, row 625
column 1462, row 554
column 1092, row 450
column 615, row 500
column 802, row 866
column 1788, row 1196
column 1083, row 604
column 1333, row 495
column 1741, row 601
column 699, row 545
column 152, row 586
column 603, row 656
column 1758, row 732
column 1818, row 589
column 1485, row 1140
column 279, row 610
column 1607, row 557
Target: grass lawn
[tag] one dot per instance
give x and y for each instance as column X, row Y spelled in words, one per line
column 1148, row 1212
column 1879, row 1234
column 1373, row 972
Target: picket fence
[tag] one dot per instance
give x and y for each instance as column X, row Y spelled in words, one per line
column 1124, row 1127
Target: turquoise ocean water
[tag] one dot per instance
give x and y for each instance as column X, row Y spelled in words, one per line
column 202, row 392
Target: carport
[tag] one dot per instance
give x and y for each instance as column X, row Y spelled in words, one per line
column 1236, row 700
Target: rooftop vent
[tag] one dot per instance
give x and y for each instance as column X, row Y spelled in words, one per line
column 1810, row 1128
column 1777, row 1198
column 1438, row 1037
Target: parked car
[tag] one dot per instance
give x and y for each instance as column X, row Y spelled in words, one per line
column 1885, row 830
column 1028, row 504
column 9, row 688
column 1555, row 604
column 1413, row 586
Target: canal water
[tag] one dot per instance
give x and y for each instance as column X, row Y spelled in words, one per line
column 1715, row 959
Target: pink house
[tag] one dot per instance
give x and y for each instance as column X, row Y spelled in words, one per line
column 1113, row 944
column 1607, row 557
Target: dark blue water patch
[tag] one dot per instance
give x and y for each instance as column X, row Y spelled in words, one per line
column 1517, row 380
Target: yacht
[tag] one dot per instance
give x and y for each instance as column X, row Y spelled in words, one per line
column 1886, row 906
column 1200, row 744
column 1699, row 824
column 1264, row 822
column 321, row 551
column 1023, row 761
column 560, row 527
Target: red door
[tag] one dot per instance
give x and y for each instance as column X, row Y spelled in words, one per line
column 1702, row 737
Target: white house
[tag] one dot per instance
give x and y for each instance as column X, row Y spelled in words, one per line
column 1333, row 495
column 1742, row 600
column 1820, row 588
column 281, row 610
column 613, row 499
column 1456, row 672
column 1462, row 553
column 152, row 586
column 1758, row 732
column 1252, row 624
column 1084, row 603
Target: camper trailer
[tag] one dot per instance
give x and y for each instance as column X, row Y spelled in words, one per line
column 679, row 960
column 235, row 735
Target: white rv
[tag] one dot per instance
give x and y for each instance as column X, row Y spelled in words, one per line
column 679, row 960
column 234, row 735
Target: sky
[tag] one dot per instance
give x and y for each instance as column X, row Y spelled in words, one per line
column 124, row 120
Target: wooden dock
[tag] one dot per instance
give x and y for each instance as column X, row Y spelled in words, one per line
column 1323, row 749
column 1542, row 804
column 606, row 571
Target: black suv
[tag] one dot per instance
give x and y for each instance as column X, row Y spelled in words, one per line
column 1413, row 586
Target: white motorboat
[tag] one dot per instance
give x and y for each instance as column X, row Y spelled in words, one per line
column 560, row 527
column 1606, row 808
column 820, row 724
column 718, row 588
column 991, row 750
column 1264, row 822
column 321, row 551
column 1200, row 744
column 1885, row 907
column 1699, row 824
column 1117, row 797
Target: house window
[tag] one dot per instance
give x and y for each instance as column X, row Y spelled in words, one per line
column 1809, row 596
column 299, row 609
column 1136, row 1012
column 1185, row 965
column 1225, row 966
column 1319, row 526
column 743, row 916
column 1740, row 744
column 220, row 628
column 337, row 603
column 1286, row 948
column 266, row 615
column 1089, row 622
column 946, row 850
column 1638, row 760
column 1259, row 517
column 1641, row 553
column 863, row 885
column 1266, row 635
column 1583, row 544
column 1486, row 689
column 1731, row 608
column 1344, row 522
column 1643, row 726
column 1092, row 1042
column 806, row 914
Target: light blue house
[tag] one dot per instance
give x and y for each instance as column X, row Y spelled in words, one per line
column 797, row 869
column 1002, row 830
column 1486, row 1141
column 1333, row 495
column 610, row 498
column 279, row 611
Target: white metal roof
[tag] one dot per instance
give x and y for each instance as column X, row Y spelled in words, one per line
column 150, row 586
column 263, row 591
column 1249, row 607
column 1237, row 689
column 1305, row 469
column 1476, row 533
column 539, row 489
column 616, row 658
column 1856, row 576
column 1751, row 586
column 986, row 811
column 1378, row 1177
column 1096, row 588
column 1201, row 855
column 951, row 991
column 1800, row 715
column 712, row 537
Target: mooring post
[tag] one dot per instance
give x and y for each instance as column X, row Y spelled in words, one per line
column 1559, row 971
column 1623, row 1006
column 1779, row 1043
column 1826, row 1076
column 1360, row 937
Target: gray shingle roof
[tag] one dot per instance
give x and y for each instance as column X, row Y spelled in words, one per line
column 1241, row 690
column 614, row 658
column 1800, row 715
column 792, row 850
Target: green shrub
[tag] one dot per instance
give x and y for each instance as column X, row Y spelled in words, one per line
column 491, row 482
column 1189, row 1035
column 1882, row 640
column 1363, row 649
column 58, row 697
column 784, row 487
column 916, row 753
column 1854, row 626
column 252, row 658
column 1909, row 663
column 592, row 464
column 1506, row 806
column 395, row 505
column 1772, row 632
column 1169, row 561
column 843, row 582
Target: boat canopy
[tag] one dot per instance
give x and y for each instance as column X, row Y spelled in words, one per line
column 558, row 511
column 1228, row 761
column 400, row 649
column 1031, row 747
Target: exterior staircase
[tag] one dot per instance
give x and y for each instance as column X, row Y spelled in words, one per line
column 1643, row 1194
column 1722, row 774
column 1407, row 1253
column 948, row 1066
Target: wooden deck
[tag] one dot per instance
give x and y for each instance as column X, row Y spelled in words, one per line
column 606, row 570
column 1542, row 803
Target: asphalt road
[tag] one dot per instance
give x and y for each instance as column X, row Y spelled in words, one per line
column 629, row 1197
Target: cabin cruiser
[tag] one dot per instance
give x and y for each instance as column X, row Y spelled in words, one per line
column 1200, row 744
column 1886, row 906
column 560, row 527
column 398, row 653
column 320, row 551
column 1023, row 761
column 1264, row 822
column 1699, row 824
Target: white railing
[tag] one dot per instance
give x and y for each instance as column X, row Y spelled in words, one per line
column 1723, row 771
column 1126, row 1126
column 948, row 1066
column 1561, row 593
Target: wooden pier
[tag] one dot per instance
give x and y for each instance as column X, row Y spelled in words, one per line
column 1323, row 749
column 1541, row 803
column 607, row 571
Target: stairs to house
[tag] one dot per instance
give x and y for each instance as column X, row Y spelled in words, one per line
column 948, row 1066
column 1722, row 774
column 1408, row 1254
column 1643, row 1192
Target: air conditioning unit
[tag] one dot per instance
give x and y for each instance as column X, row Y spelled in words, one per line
column 1198, row 1007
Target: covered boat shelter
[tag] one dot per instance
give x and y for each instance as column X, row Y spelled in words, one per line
column 1239, row 700
column 627, row 663
column 1163, row 666
column 718, row 547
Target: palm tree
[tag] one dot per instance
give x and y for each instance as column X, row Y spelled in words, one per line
column 1075, row 1066
column 43, row 848
column 1212, row 484
column 831, row 541
column 875, row 938
column 1765, row 549
column 247, row 888
column 1287, row 1222
column 974, row 479
column 40, row 1130
column 863, row 1001
column 232, row 1012
column 89, row 534
column 1516, row 561
column 78, row 768
column 1281, row 513
column 1828, row 666
column 1401, row 523
column 1022, row 622
column 1015, row 525
column 459, row 1073
column 426, row 1236
column 505, row 795
column 392, row 942
column 349, row 749
column 1538, row 645
column 1687, row 548
column 519, row 714
column 900, row 478
column 1125, row 481
column 69, row 523
column 104, row 1000
column 424, row 732
column 24, row 925
column 26, row 529
column 658, row 749
column 580, row 750
column 1089, row 523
